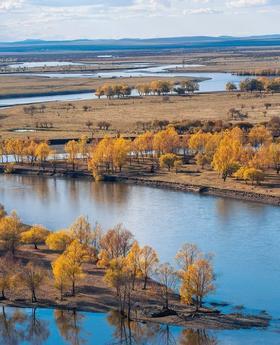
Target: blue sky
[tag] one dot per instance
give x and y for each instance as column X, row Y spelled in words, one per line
column 72, row 19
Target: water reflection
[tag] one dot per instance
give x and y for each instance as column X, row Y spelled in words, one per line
column 17, row 327
column 137, row 333
column 69, row 324
column 197, row 337
column 56, row 189
column 51, row 327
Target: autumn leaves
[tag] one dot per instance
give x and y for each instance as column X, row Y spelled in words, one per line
column 127, row 267
column 245, row 155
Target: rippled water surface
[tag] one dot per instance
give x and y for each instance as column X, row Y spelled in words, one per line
column 245, row 237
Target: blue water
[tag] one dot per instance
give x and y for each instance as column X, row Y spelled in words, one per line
column 54, row 327
column 244, row 236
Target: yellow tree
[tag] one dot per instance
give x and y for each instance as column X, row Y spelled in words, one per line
column 187, row 255
column 226, row 157
column 36, row 235
column 81, row 231
column 274, row 155
column 166, row 141
column 74, row 257
column 236, row 133
column 198, row 141
column 102, row 155
column 83, row 147
column 121, row 149
column 211, row 146
column 143, row 144
column 72, row 148
column 61, row 278
column 261, row 158
column 43, row 151
column 133, row 262
column 254, row 175
column 197, row 282
column 10, row 232
column 167, row 160
column 259, row 135
column 30, row 151
column 148, row 261
column 59, row 240
column 119, row 276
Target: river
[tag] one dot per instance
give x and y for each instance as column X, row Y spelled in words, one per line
column 214, row 82
column 244, row 236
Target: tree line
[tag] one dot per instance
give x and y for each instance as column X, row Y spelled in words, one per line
column 155, row 87
column 256, row 84
column 245, row 153
column 266, row 72
column 127, row 266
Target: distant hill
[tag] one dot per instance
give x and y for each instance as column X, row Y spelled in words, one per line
column 84, row 45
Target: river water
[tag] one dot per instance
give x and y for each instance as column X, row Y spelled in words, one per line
column 244, row 236
column 215, row 82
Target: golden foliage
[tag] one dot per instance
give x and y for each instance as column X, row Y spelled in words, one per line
column 36, row 235
column 58, row 240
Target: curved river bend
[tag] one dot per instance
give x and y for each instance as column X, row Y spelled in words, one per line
column 245, row 237
column 215, row 82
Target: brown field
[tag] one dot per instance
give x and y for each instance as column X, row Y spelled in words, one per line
column 124, row 113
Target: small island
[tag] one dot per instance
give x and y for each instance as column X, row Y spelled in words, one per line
column 84, row 268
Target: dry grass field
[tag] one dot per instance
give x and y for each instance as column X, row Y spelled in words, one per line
column 123, row 114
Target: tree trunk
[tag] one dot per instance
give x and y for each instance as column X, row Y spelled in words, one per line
column 73, row 288
column 34, row 299
column 145, row 282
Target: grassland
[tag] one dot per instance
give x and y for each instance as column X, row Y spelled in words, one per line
column 123, row 114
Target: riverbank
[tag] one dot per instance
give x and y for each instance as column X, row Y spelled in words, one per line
column 187, row 180
column 203, row 190
column 93, row 295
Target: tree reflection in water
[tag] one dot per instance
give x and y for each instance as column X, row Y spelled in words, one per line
column 137, row 333
column 37, row 331
column 197, row 337
column 69, row 324
column 18, row 327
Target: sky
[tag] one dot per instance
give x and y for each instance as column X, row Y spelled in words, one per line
column 92, row 19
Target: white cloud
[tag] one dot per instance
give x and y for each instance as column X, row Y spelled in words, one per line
column 6, row 5
column 138, row 18
column 247, row 3
column 202, row 11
